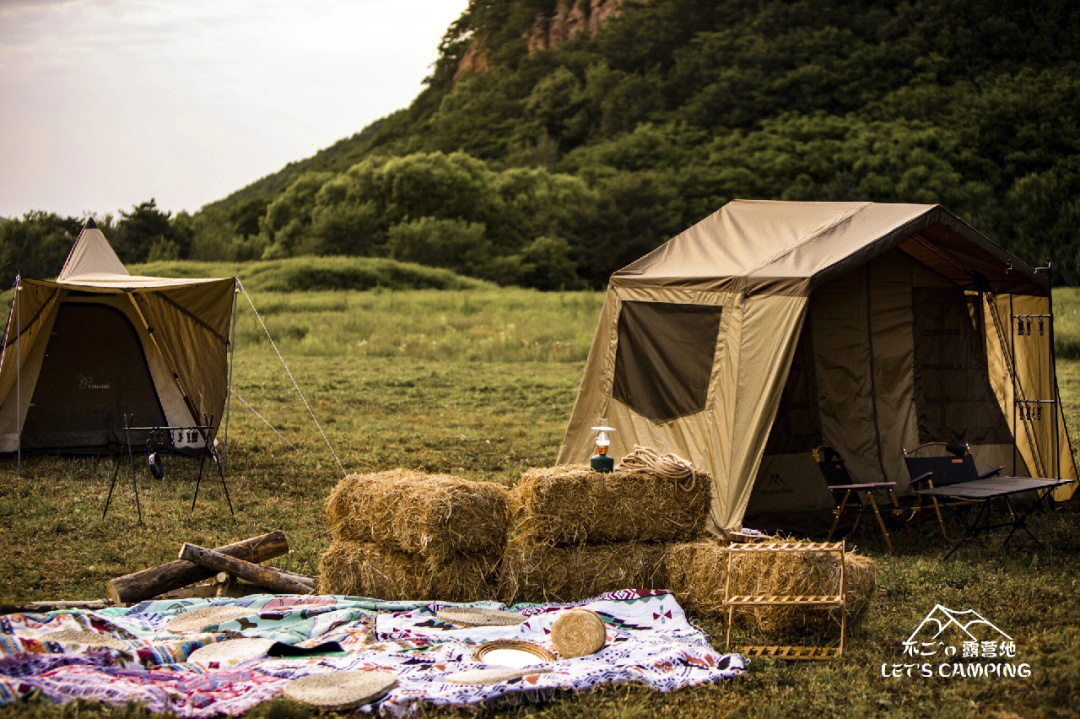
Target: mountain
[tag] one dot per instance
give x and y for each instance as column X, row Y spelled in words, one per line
column 557, row 140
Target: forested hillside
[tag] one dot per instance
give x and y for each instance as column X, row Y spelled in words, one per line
column 535, row 159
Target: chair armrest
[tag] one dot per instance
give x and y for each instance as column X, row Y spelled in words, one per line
column 870, row 486
column 992, row 472
column 922, row 477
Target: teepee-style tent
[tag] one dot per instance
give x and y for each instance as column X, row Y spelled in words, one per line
column 769, row 328
column 98, row 350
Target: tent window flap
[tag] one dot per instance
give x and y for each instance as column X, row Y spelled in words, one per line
column 664, row 357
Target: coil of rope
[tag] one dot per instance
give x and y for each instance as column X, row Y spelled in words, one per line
column 668, row 466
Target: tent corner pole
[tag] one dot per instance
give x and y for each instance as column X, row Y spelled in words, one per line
column 18, row 378
column 228, row 386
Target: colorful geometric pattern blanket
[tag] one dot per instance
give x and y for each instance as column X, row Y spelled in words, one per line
column 649, row 640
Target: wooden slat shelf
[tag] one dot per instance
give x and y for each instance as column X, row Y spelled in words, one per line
column 793, row 652
column 788, row 546
column 792, row 600
column 782, row 600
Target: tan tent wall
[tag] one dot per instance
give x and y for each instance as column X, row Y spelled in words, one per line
column 756, row 340
column 34, row 345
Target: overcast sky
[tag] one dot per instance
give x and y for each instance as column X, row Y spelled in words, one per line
column 107, row 103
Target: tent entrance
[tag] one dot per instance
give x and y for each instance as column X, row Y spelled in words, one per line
column 93, row 375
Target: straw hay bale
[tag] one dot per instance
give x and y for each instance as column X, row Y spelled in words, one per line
column 539, row 573
column 697, row 573
column 366, row 569
column 432, row 514
column 571, row 504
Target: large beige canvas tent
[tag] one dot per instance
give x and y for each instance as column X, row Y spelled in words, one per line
column 99, row 348
column 769, row 328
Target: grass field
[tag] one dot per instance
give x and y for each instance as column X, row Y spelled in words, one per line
column 479, row 382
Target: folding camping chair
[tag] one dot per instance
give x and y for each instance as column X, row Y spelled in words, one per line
column 943, row 464
column 842, row 486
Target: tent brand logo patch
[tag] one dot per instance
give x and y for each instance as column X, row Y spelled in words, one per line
column 89, row 383
column 775, row 484
column 957, row 644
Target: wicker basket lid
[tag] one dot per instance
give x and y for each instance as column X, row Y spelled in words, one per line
column 231, row 651
column 340, row 690
column 578, row 632
column 478, row 617
column 80, row 637
column 511, row 653
column 195, row 620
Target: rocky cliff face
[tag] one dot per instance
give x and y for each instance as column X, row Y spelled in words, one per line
column 548, row 31
column 570, row 18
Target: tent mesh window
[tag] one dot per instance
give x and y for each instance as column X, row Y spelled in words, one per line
column 797, row 427
column 664, row 357
column 953, row 398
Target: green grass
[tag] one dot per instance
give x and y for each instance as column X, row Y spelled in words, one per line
column 480, row 383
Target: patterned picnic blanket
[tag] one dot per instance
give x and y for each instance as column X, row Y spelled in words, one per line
column 649, row 641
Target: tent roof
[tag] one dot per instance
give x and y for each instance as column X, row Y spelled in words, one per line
column 788, row 247
column 93, row 264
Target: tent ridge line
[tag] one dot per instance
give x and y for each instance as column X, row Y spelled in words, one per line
column 810, row 238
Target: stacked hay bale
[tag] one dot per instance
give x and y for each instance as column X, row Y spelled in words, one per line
column 579, row 533
column 697, row 572
column 404, row 534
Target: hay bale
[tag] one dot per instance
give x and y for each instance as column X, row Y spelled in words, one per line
column 369, row 570
column 533, row 572
column 570, row 504
column 696, row 571
column 436, row 515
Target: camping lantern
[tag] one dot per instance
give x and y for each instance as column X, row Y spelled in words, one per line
column 601, row 462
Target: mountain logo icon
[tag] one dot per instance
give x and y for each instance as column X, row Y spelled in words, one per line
column 943, row 624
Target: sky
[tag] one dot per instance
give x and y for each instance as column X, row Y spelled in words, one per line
column 107, row 103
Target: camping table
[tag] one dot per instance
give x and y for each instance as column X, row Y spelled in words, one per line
column 984, row 490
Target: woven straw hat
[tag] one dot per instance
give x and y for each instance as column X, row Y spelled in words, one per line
column 477, row 617
column 84, row 638
column 578, row 632
column 195, row 620
column 340, row 690
column 231, row 651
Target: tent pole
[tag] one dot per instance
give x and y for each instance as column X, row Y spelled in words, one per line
column 18, row 379
column 228, row 388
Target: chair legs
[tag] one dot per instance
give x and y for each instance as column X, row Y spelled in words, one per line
column 866, row 499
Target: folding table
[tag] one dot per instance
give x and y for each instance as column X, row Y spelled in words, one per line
column 984, row 490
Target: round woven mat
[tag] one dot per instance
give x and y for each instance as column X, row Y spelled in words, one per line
column 340, row 690
column 578, row 632
column 84, row 638
column 493, row 653
column 231, row 651
column 495, row 675
column 477, row 617
column 195, row 620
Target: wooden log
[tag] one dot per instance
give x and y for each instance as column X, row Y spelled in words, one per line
column 223, row 582
column 151, row 582
column 268, row 577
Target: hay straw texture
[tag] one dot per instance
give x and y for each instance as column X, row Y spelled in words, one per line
column 368, row 570
column 578, row 632
column 432, row 514
column 571, row 504
column 538, row 573
column 697, row 573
